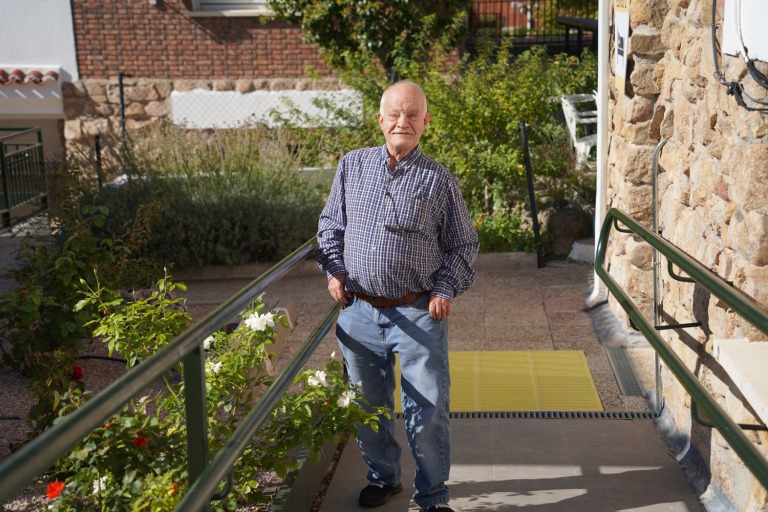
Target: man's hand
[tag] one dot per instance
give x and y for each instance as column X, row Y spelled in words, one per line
column 336, row 288
column 439, row 307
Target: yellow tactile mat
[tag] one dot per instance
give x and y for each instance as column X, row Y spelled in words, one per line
column 493, row 381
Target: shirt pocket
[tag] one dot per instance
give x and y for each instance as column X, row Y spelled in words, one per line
column 405, row 214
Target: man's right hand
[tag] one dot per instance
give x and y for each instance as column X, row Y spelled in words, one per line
column 336, row 288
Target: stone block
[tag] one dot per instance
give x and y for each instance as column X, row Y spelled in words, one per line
column 676, row 6
column 95, row 87
column 191, row 85
column 638, row 253
column 672, row 32
column 74, row 88
column 756, row 285
column 74, row 107
column 244, row 86
column 261, row 84
column 650, row 12
column 704, row 178
column 141, row 93
column 637, row 133
column 93, row 127
column 646, row 40
column 642, row 76
column 135, row 110
column 748, row 235
column 637, row 109
column 223, row 85
column 638, row 162
column 747, row 167
column 104, row 109
column 73, row 129
column 280, row 84
column 685, row 117
column 156, row 109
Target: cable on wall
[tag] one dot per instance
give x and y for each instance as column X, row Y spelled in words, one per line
column 735, row 88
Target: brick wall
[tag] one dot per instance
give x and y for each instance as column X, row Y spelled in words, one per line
column 162, row 41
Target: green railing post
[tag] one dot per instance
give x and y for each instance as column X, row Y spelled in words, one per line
column 197, row 415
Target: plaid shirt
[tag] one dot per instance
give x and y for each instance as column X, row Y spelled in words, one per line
column 396, row 232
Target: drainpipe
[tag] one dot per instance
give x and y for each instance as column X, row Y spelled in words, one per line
column 603, row 59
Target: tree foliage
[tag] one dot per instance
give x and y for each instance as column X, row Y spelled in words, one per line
column 351, row 31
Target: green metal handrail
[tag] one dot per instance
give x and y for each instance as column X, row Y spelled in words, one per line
column 41, row 453
column 733, row 298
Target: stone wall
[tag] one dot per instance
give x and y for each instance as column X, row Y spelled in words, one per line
column 92, row 106
column 712, row 203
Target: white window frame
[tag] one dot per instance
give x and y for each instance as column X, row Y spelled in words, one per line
column 234, row 8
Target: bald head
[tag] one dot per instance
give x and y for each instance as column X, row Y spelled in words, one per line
column 403, row 84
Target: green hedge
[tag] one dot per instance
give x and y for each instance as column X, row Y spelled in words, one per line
column 229, row 197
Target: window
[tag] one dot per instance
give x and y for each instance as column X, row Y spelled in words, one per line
column 230, row 8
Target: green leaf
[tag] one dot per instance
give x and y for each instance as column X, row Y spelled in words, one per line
column 81, row 454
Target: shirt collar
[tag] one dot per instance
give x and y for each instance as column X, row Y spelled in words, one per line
column 404, row 163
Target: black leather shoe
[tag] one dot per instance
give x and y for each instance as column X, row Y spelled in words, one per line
column 375, row 494
column 443, row 507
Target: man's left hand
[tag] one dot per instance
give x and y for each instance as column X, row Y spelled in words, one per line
column 439, row 307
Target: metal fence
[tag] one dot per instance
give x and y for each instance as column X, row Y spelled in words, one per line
column 527, row 23
column 23, row 170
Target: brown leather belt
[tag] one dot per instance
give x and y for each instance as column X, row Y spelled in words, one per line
column 384, row 302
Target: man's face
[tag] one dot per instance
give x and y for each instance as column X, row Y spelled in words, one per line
column 402, row 118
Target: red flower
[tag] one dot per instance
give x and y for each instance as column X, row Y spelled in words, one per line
column 54, row 489
column 140, row 441
column 77, row 372
column 174, row 489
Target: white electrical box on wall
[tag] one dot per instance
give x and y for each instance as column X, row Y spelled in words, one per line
column 744, row 27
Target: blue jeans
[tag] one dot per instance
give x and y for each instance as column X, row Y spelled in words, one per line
column 369, row 337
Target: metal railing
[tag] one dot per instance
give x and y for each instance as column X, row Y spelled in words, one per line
column 22, row 166
column 530, row 22
column 204, row 477
column 731, row 297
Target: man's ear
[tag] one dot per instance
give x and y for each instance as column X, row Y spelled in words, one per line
column 427, row 119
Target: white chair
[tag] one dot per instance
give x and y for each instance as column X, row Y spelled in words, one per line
column 577, row 111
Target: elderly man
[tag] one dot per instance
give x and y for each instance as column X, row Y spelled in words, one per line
column 397, row 243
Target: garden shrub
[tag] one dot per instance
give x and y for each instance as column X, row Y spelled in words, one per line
column 228, row 197
column 476, row 113
column 504, row 231
column 42, row 332
column 136, row 459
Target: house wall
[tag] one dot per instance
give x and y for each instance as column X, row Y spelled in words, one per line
column 163, row 41
column 165, row 50
column 43, row 44
column 712, row 203
column 41, row 40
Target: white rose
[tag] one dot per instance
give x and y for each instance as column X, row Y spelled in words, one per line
column 318, row 379
column 258, row 322
column 345, row 399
